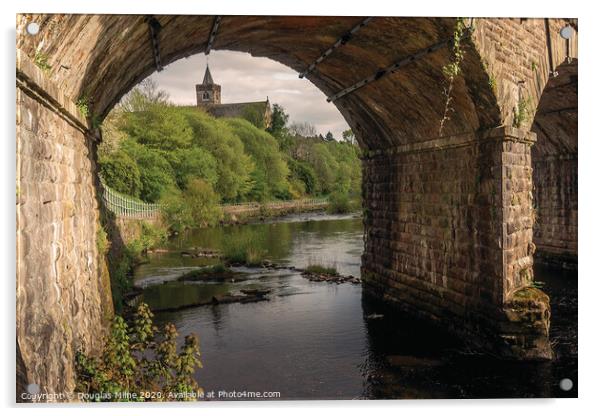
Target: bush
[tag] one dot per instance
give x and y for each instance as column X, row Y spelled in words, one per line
column 120, row 172
column 339, row 203
column 203, row 202
column 151, row 236
column 176, row 213
column 137, row 360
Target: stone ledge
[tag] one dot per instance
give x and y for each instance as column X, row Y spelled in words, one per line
column 504, row 133
column 509, row 133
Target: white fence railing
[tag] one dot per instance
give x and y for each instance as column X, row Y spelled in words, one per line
column 126, row 206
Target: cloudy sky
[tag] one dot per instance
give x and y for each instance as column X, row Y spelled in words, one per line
column 246, row 78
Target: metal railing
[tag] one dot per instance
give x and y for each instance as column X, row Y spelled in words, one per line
column 126, row 206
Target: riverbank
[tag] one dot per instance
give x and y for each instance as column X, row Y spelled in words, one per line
column 245, row 212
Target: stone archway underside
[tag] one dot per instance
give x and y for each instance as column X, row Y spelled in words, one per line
column 555, row 169
column 448, row 211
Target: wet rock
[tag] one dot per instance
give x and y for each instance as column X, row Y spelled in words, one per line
column 411, row 361
column 330, row 278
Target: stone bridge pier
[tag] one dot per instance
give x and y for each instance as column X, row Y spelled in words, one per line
column 469, row 138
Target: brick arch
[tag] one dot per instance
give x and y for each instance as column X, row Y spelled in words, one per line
column 554, row 161
column 102, row 57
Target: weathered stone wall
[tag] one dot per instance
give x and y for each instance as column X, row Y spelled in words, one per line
column 63, row 293
column 448, row 229
column 555, row 232
column 514, row 52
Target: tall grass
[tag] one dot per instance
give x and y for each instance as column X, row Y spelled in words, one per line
column 243, row 249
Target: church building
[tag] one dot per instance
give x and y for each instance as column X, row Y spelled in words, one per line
column 209, row 97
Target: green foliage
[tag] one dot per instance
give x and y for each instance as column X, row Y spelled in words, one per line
column 155, row 151
column 302, row 171
column 102, row 241
column 151, row 236
column 235, row 166
column 147, row 94
column 349, row 136
column 242, row 249
column 159, row 127
column 41, row 61
column 452, row 69
column 279, row 121
column 270, row 170
column 124, row 260
column 83, row 105
column 120, row 172
column 340, row 203
column 255, row 115
column 521, row 112
column 156, row 174
column 195, row 162
column 176, row 214
column 203, row 202
column 137, row 361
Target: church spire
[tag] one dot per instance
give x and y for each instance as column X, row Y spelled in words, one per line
column 208, row 79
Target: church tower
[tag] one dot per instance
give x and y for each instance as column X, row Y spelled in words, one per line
column 208, row 92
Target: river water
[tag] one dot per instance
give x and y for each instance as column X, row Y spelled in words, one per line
column 318, row 340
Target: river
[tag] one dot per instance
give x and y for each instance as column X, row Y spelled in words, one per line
column 318, row 340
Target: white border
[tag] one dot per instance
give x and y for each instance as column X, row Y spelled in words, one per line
column 590, row 77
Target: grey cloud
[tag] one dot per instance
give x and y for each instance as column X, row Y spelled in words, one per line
column 247, row 78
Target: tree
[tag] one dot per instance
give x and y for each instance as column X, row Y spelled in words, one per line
column 156, row 174
column 143, row 96
column 192, row 163
column 159, row 126
column 349, row 136
column 279, row 121
column 303, row 129
column 234, row 165
column 270, row 169
column 329, row 137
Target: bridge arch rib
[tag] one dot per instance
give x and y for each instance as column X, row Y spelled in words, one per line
column 448, row 211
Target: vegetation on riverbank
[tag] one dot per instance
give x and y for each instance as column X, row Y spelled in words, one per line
column 191, row 162
column 122, row 256
column 138, row 363
column 319, row 269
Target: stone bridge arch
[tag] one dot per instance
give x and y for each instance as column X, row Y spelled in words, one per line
column 448, row 209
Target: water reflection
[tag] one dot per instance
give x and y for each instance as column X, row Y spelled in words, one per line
column 315, row 340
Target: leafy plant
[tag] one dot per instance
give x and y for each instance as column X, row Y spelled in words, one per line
column 521, row 112
column 83, row 105
column 41, row 61
column 452, row 69
column 138, row 364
